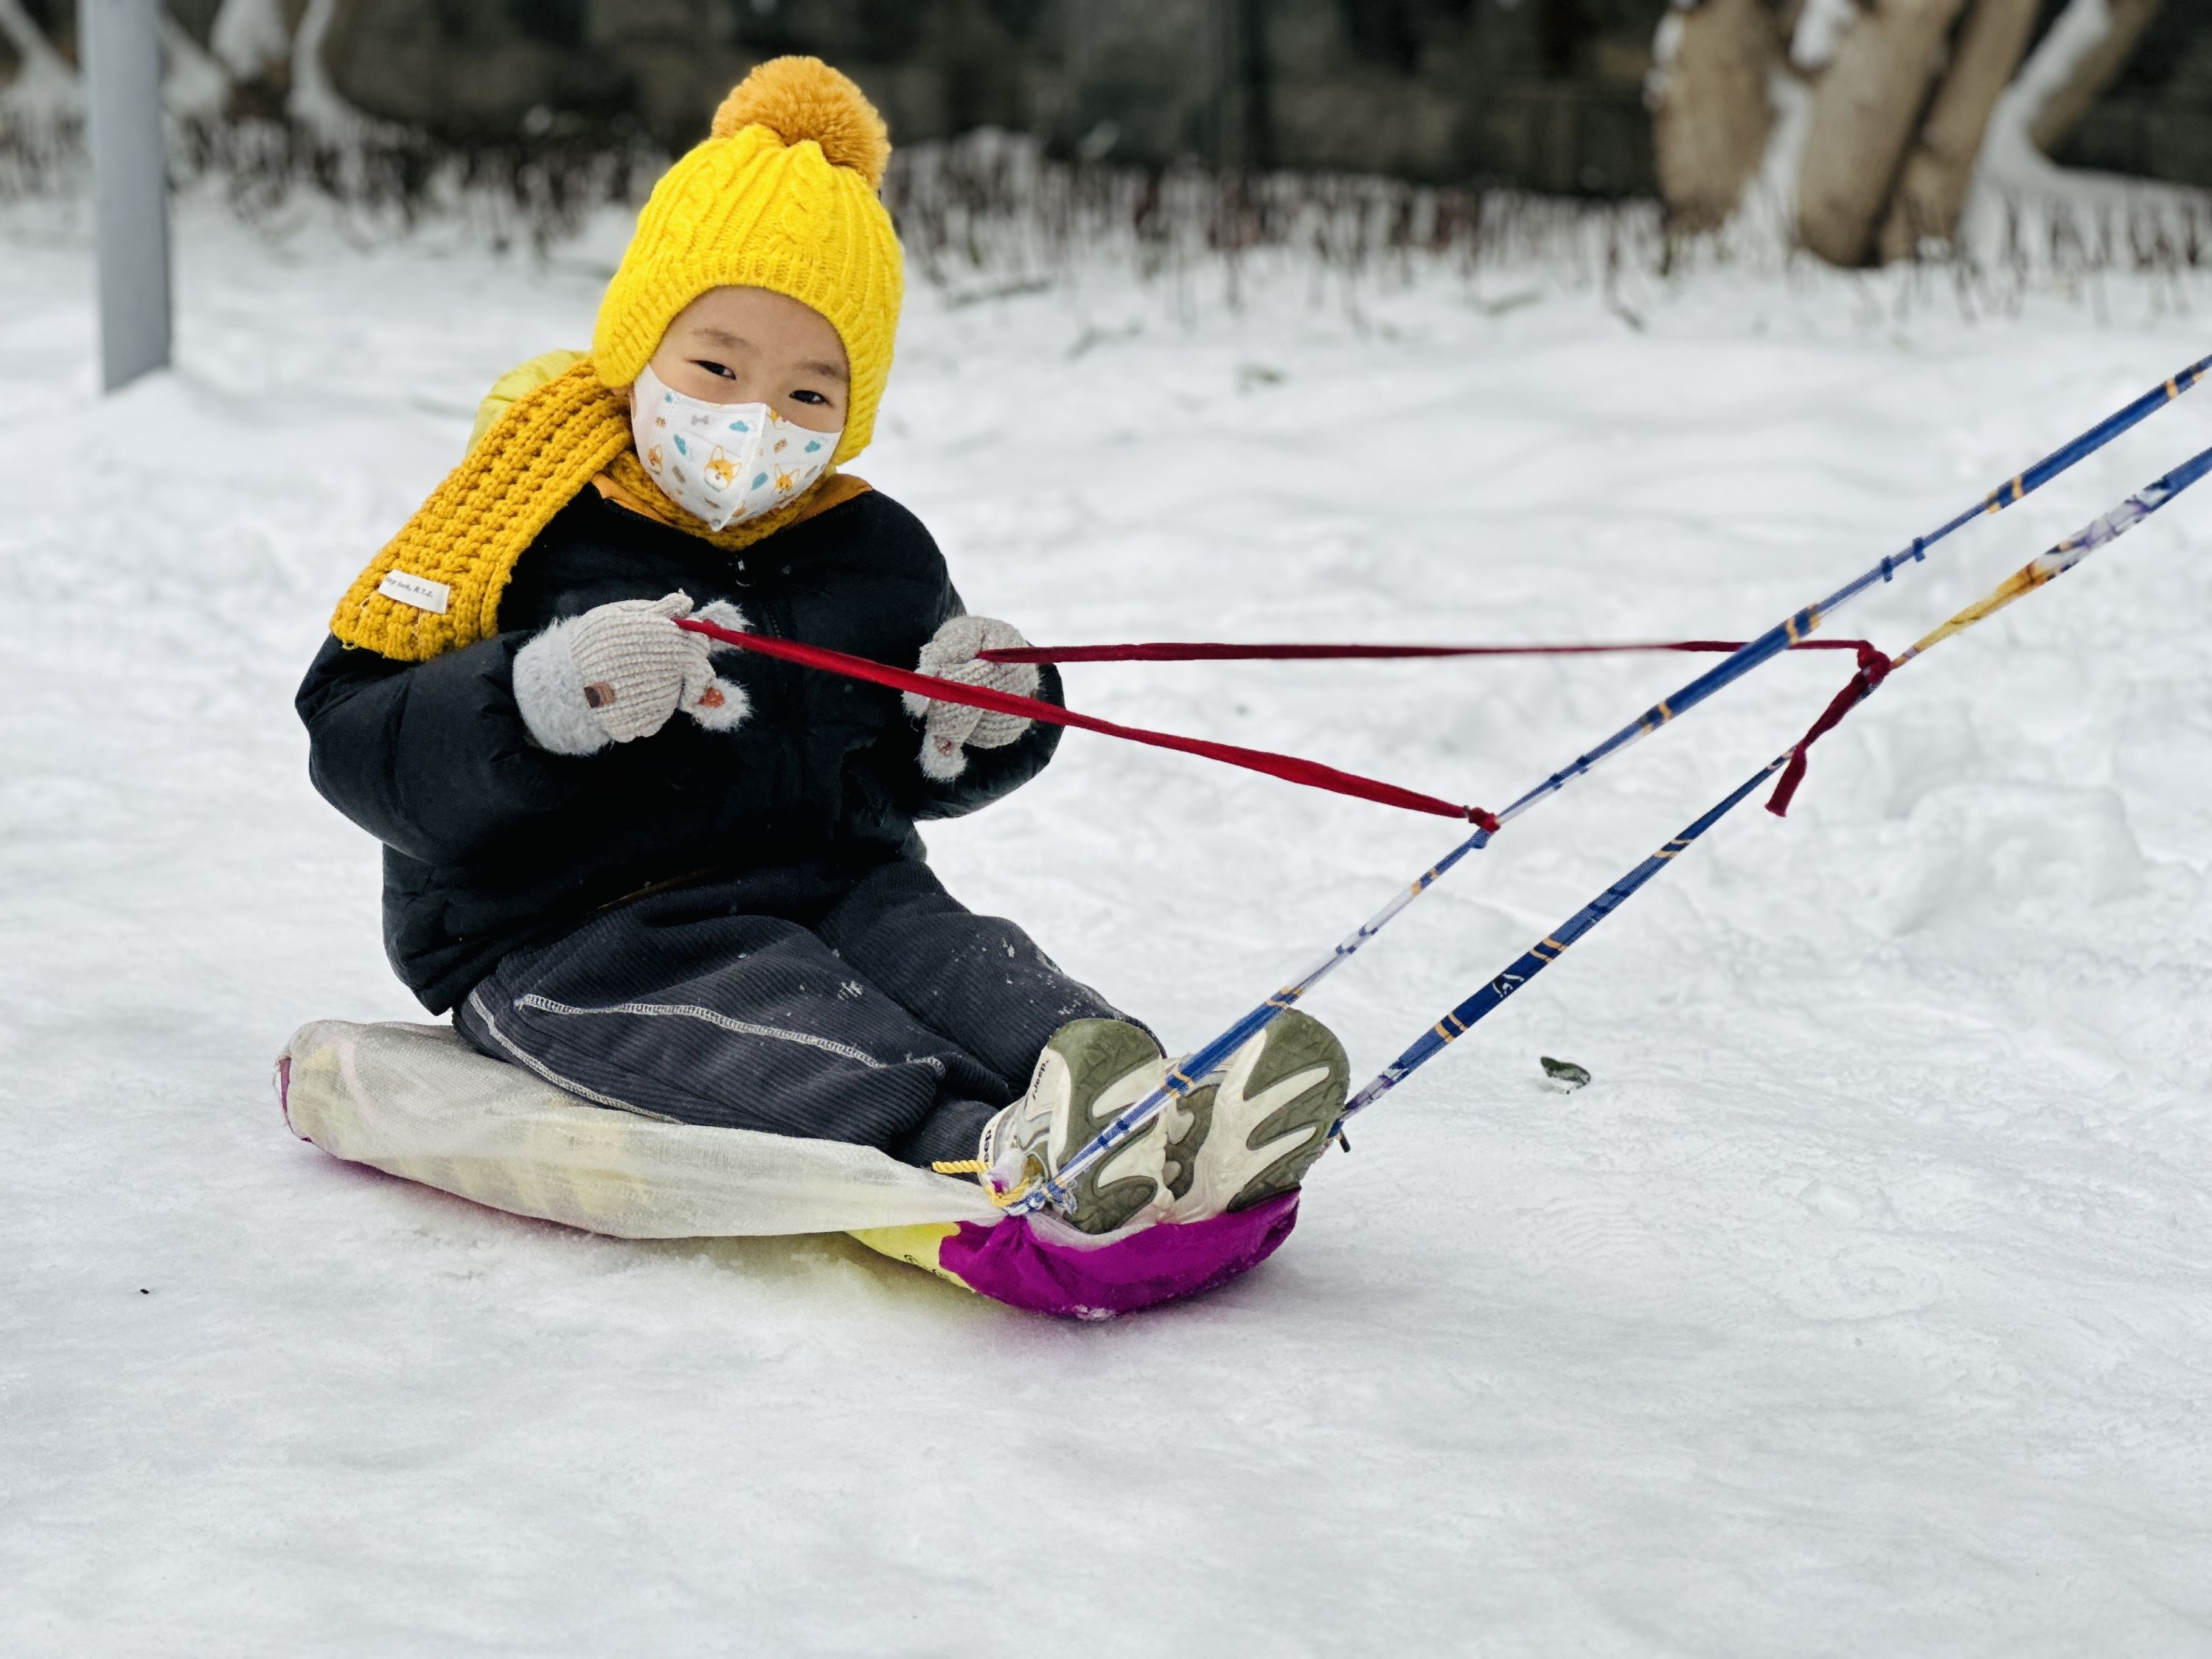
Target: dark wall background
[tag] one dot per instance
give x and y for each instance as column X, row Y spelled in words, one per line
column 1543, row 93
column 2157, row 120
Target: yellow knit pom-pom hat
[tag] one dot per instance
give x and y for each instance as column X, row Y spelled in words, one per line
column 781, row 195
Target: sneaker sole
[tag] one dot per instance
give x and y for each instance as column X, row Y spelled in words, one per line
column 1101, row 1056
column 1265, row 1097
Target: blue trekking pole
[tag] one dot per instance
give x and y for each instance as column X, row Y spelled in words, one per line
column 1549, row 949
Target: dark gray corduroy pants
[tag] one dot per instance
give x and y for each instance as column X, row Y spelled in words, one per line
column 862, row 1005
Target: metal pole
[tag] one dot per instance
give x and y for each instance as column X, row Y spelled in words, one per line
column 121, row 48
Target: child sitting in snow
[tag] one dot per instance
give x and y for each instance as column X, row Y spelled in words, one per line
column 684, row 881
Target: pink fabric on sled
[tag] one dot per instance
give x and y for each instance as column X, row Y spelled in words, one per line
column 1010, row 1263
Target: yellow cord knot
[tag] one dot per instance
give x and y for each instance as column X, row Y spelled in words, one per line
column 975, row 1166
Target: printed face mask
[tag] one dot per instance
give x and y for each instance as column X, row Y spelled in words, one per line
column 723, row 462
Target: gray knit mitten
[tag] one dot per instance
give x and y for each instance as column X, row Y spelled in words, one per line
column 616, row 673
column 950, row 729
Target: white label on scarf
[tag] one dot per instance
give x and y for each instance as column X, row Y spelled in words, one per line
column 418, row 590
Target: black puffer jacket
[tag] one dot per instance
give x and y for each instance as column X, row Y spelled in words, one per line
column 490, row 841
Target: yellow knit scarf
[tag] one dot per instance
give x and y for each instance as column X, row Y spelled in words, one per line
column 436, row 585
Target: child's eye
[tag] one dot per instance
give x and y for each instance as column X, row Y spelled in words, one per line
column 713, row 369
column 803, row 395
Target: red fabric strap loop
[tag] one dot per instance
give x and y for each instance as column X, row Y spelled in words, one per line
column 1289, row 768
column 1874, row 668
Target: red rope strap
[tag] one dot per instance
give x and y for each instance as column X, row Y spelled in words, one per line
column 1874, row 666
column 1187, row 650
column 1289, row 768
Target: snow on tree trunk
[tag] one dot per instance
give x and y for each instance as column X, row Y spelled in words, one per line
column 1711, row 116
column 314, row 100
column 1932, row 186
column 193, row 84
column 1865, row 109
column 251, row 37
column 2092, row 65
column 44, row 89
column 2081, row 50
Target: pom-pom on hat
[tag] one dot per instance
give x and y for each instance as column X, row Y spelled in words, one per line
column 780, row 195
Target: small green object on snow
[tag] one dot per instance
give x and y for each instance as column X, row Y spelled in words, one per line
column 1565, row 1076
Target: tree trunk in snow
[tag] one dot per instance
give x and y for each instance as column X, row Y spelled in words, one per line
column 1865, row 109
column 2092, row 72
column 1711, row 117
column 1932, row 186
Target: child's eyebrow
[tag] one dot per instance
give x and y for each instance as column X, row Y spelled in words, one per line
column 821, row 366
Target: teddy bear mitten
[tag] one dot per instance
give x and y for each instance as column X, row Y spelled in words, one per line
column 613, row 675
column 950, row 729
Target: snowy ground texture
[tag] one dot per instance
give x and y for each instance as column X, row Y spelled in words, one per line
column 1859, row 1306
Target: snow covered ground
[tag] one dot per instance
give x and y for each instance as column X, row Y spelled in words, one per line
column 1859, row 1306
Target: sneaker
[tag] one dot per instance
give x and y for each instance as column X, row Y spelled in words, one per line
column 1090, row 1071
column 1255, row 1127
